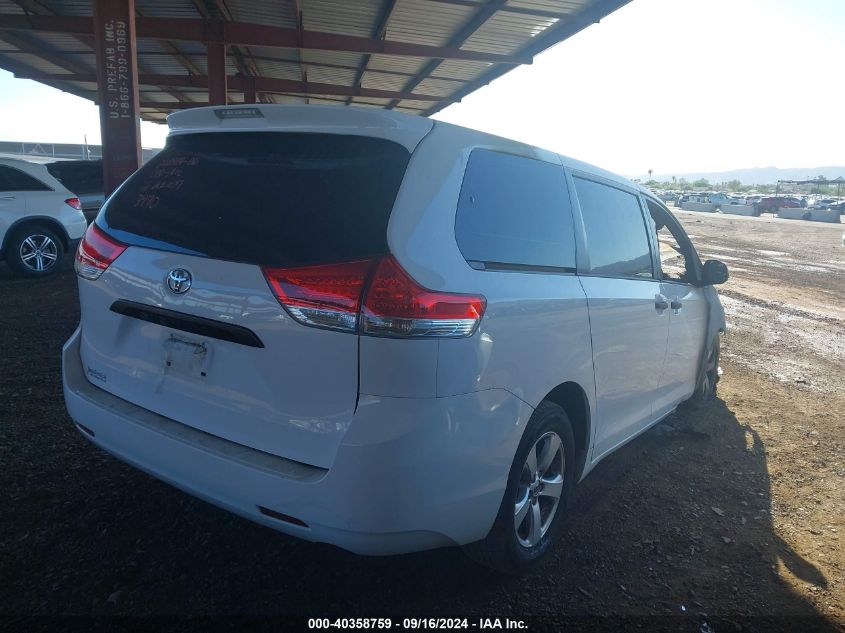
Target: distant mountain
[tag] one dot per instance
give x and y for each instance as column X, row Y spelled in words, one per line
column 756, row 175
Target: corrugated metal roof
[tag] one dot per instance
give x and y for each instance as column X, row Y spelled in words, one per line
column 276, row 13
column 378, row 53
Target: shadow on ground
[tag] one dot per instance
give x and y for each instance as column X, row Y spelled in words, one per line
column 676, row 523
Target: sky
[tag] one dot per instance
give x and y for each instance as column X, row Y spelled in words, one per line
column 669, row 85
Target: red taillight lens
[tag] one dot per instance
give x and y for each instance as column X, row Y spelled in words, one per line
column 96, row 252
column 396, row 305
column 75, row 203
column 326, row 296
column 330, row 296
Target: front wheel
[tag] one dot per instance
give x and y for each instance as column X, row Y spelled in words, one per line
column 705, row 391
column 34, row 250
column 540, row 483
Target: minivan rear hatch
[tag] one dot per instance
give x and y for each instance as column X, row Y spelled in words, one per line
column 184, row 322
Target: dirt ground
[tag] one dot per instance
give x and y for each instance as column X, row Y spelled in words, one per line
column 732, row 515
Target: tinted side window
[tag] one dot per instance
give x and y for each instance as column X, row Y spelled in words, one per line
column 515, row 210
column 617, row 240
column 79, row 177
column 15, row 180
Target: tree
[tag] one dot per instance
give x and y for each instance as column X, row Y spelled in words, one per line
column 733, row 185
column 649, row 173
column 701, row 183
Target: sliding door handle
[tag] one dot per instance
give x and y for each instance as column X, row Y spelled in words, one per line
column 676, row 304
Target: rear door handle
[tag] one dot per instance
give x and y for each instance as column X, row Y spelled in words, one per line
column 7, row 197
column 661, row 302
column 676, row 304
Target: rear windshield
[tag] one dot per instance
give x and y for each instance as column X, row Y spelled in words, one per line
column 270, row 198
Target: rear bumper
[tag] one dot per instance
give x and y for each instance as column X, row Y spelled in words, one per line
column 74, row 223
column 411, row 474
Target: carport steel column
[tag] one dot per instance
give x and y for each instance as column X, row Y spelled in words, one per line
column 216, row 51
column 117, row 85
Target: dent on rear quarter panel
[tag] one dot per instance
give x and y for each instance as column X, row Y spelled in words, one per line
column 398, row 368
column 535, row 331
column 534, row 336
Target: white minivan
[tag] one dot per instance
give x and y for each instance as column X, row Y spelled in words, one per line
column 382, row 331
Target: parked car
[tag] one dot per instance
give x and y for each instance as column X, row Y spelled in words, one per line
column 702, row 198
column 382, row 331
column 771, row 204
column 720, row 199
column 824, row 203
column 40, row 220
column 85, row 179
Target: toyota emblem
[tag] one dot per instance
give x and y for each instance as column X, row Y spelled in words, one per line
column 179, row 281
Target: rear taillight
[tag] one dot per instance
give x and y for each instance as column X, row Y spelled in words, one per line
column 323, row 296
column 75, row 203
column 396, row 305
column 375, row 297
column 96, row 252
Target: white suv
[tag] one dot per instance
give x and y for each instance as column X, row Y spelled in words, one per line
column 381, row 331
column 40, row 220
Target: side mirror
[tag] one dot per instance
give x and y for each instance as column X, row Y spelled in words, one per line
column 715, row 272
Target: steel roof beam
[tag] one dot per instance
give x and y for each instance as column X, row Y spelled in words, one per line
column 19, row 69
column 540, row 13
column 379, row 33
column 551, row 36
column 36, row 50
column 247, row 34
column 54, row 56
column 34, row 8
column 484, row 13
column 237, row 82
column 243, row 58
column 183, row 105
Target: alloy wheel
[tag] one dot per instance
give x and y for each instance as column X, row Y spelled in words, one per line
column 38, row 252
column 539, row 490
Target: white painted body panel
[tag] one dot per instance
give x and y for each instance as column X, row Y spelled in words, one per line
column 48, row 207
column 293, row 398
column 441, row 462
column 687, row 333
column 431, row 424
column 629, row 347
column 532, row 336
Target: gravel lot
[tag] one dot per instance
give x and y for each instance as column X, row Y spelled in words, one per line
column 725, row 515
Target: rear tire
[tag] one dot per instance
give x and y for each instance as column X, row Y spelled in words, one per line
column 34, row 250
column 531, row 514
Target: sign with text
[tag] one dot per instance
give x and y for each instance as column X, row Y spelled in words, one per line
column 117, row 84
